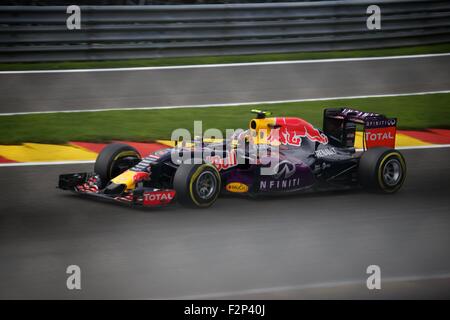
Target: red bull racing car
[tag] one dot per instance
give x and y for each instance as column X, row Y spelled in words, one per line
column 274, row 155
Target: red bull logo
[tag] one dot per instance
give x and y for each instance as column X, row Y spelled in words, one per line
column 293, row 130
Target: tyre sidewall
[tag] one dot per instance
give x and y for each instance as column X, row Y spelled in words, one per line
column 392, row 154
column 184, row 184
column 108, row 156
column 371, row 168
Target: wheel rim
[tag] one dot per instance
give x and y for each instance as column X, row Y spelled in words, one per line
column 392, row 172
column 205, row 185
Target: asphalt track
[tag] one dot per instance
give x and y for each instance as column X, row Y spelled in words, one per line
column 309, row 246
column 31, row 92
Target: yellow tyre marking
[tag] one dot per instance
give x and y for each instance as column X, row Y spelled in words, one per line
column 126, row 154
column 402, row 163
column 194, row 176
column 122, row 155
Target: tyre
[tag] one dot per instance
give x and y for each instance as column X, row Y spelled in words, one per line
column 197, row 185
column 382, row 170
column 114, row 159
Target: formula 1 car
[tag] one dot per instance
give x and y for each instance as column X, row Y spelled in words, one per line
column 297, row 157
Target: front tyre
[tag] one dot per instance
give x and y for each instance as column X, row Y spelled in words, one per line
column 114, row 159
column 382, row 170
column 197, row 185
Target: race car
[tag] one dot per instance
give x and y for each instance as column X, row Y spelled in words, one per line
column 275, row 155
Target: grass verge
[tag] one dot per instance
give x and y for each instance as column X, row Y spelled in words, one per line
column 413, row 112
column 437, row 48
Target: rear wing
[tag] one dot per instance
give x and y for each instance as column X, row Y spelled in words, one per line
column 340, row 126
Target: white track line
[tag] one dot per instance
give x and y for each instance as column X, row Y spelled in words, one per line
column 44, row 163
column 430, row 146
column 224, row 65
column 234, row 104
column 54, row 163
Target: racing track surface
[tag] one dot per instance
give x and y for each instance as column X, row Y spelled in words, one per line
column 240, row 248
column 193, row 86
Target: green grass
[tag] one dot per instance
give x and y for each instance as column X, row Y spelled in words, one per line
column 413, row 112
column 438, row 48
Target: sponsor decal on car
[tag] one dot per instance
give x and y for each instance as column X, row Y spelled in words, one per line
column 284, row 184
column 379, row 137
column 223, row 163
column 236, row 187
column 291, row 132
column 375, row 136
column 380, row 123
column 158, row 197
column 326, row 152
column 284, row 178
column 284, row 169
column 358, row 114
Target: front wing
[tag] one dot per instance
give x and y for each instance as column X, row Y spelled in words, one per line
column 87, row 183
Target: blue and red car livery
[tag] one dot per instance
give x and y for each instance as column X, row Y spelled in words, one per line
column 301, row 158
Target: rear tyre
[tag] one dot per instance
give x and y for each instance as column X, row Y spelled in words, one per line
column 114, row 159
column 382, row 170
column 197, row 185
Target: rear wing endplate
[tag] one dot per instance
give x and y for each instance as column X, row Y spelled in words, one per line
column 378, row 130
